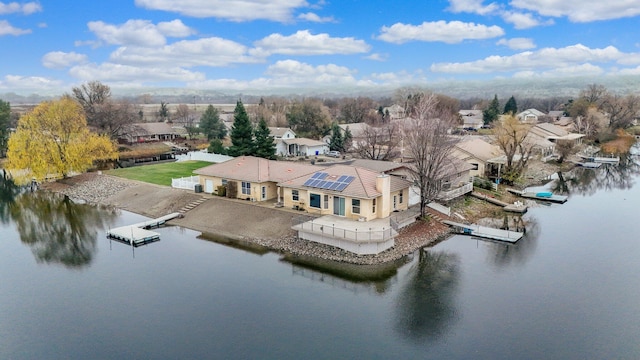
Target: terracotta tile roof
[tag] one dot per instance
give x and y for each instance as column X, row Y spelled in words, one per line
column 363, row 186
column 254, row 169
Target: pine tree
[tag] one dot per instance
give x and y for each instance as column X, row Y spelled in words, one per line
column 348, row 138
column 241, row 132
column 264, row 145
column 491, row 113
column 211, row 125
column 216, row 147
column 337, row 140
column 510, row 107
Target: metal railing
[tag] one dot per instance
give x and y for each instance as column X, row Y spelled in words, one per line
column 361, row 234
column 452, row 194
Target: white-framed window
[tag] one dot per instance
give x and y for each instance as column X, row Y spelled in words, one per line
column 373, row 207
column 246, row 188
column 295, row 195
column 326, row 201
column 355, row 206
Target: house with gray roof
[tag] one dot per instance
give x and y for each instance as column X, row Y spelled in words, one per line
column 149, row 132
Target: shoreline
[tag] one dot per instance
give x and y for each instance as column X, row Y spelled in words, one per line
column 235, row 220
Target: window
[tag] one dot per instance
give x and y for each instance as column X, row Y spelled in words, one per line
column 246, row 188
column 224, row 182
column 314, row 200
column 355, row 206
column 401, row 197
column 295, row 196
column 373, row 208
column 326, row 201
column 475, row 166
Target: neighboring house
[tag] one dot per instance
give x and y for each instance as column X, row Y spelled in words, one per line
column 395, row 111
column 471, row 118
column 304, row 147
column 555, row 115
column 255, row 178
column 280, row 134
column 555, row 133
column 384, row 167
column 357, row 130
column 476, row 152
column 530, row 116
column 149, row 132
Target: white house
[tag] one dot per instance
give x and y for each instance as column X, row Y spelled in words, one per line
column 305, row 147
column 530, row 116
column 280, row 134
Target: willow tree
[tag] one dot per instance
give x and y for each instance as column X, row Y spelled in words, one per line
column 512, row 137
column 54, row 140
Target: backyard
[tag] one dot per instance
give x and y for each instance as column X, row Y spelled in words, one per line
column 160, row 174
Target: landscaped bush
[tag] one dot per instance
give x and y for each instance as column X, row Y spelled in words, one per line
column 222, row 190
column 232, row 189
column 482, row 183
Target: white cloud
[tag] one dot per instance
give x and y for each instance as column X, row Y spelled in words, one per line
column 377, row 57
column 28, row 83
column 581, row 10
column 517, row 43
column 305, row 43
column 233, row 10
column 472, row 6
column 211, row 51
column 14, row 7
column 313, row 17
column 8, row 29
column 139, row 32
column 562, row 72
column 109, row 72
column 61, row 60
column 630, row 71
column 523, row 20
column 448, row 32
column 531, row 60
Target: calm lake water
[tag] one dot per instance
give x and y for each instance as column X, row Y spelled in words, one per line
column 569, row 290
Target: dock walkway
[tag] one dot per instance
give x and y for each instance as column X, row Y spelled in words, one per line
column 561, row 199
column 138, row 234
column 485, row 232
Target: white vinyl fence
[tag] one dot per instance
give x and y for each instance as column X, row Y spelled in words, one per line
column 203, row 156
column 187, row 183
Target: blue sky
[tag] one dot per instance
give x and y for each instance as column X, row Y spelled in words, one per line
column 264, row 45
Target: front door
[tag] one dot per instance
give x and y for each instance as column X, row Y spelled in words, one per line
column 208, row 186
column 338, row 206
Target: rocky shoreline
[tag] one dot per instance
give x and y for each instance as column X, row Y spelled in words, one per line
column 131, row 195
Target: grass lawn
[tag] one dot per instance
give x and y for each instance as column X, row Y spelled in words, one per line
column 160, row 174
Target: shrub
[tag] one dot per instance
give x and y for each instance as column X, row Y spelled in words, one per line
column 222, row 190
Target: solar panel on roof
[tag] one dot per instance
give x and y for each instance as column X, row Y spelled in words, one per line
column 308, row 182
column 341, row 186
column 342, row 178
column 334, row 186
column 322, row 184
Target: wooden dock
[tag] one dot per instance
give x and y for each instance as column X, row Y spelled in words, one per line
column 560, row 199
column 138, row 234
column 485, row 232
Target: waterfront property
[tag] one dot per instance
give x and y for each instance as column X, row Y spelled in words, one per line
column 138, row 234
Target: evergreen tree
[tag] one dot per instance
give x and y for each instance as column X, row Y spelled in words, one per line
column 264, row 145
column 241, row 132
column 216, row 147
column 337, row 140
column 510, row 107
column 348, row 138
column 491, row 113
column 211, row 125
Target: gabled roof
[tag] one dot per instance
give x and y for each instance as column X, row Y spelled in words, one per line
column 280, row 131
column 478, row 148
column 363, row 186
column 152, row 128
column 356, row 129
column 376, row 165
column 473, row 113
column 254, row 169
column 535, row 112
column 549, row 129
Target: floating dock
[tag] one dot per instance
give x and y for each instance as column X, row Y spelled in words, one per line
column 485, row 232
column 602, row 159
column 560, row 199
column 137, row 234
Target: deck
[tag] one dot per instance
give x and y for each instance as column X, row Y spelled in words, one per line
column 485, row 232
column 138, row 234
column 560, row 199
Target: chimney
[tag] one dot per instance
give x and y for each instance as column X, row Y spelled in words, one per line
column 383, row 185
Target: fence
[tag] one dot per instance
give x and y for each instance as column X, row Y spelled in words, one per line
column 203, row 156
column 187, row 183
column 363, row 235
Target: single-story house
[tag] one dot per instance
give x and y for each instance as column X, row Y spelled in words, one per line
column 530, row 116
column 149, row 132
column 475, row 152
column 280, row 134
column 471, row 118
column 255, row 178
column 305, row 147
column 555, row 133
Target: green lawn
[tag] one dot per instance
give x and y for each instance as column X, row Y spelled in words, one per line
column 160, row 174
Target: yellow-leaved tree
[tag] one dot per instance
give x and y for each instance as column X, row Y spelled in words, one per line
column 54, row 140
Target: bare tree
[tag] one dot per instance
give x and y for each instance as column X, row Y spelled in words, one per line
column 512, row 137
column 427, row 139
column 594, row 93
column 621, row 109
column 591, row 123
column 379, row 142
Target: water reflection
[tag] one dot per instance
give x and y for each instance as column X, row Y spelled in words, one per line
column 608, row 177
column 8, row 192
column 57, row 229
column 503, row 254
column 426, row 307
